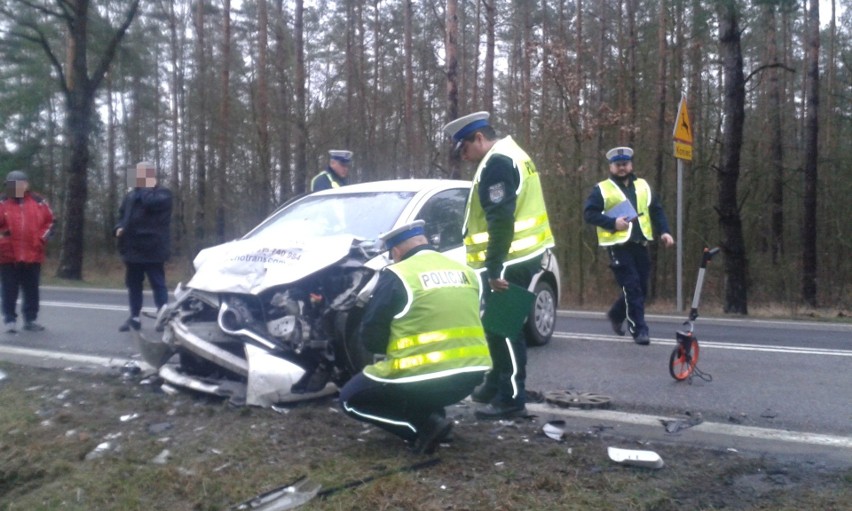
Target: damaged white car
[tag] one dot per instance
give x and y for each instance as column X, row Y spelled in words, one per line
column 270, row 318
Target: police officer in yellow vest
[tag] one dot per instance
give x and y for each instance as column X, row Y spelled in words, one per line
column 424, row 316
column 506, row 232
column 337, row 172
column 626, row 237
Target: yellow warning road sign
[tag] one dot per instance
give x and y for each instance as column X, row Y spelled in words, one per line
column 682, row 128
column 682, row 151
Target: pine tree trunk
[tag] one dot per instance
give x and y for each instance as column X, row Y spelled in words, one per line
column 733, row 106
column 811, row 134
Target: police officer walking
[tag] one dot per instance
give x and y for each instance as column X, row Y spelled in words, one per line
column 506, row 232
column 337, row 172
column 424, row 316
column 625, row 233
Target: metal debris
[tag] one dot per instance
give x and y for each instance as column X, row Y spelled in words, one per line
column 676, row 425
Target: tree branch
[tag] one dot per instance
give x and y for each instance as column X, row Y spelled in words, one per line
column 42, row 9
column 109, row 53
column 41, row 39
column 769, row 66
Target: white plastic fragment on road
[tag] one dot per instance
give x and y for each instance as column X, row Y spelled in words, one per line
column 555, row 430
column 162, row 458
column 646, row 459
column 282, row 498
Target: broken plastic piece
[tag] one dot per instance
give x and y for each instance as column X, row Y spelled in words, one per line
column 555, row 430
column 647, row 459
column 285, row 497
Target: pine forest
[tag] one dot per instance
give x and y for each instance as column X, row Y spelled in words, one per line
column 237, row 102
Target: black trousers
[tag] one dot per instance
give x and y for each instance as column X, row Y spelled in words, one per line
column 631, row 266
column 134, row 278
column 509, row 356
column 23, row 276
column 402, row 408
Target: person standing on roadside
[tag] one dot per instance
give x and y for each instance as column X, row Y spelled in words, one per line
column 144, row 240
column 626, row 238
column 424, row 317
column 337, row 172
column 506, row 232
column 26, row 221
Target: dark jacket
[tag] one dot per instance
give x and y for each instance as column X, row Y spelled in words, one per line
column 25, row 225
column 326, row 179
column 145, row 215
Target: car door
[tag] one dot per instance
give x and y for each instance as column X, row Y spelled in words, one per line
column 444, row 216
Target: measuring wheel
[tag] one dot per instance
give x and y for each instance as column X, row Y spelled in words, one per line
column 574, row 399
column 684, row 357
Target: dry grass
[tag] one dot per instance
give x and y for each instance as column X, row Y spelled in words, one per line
column 108, row 272
column 221, row 455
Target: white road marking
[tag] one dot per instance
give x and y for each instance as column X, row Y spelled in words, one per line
column 704, row 427
column 710, row 344
column 64, row 356
column 602, row 415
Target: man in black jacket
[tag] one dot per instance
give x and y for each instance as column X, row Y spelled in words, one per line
column 144, row 240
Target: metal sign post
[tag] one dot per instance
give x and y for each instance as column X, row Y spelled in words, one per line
column 682, row 135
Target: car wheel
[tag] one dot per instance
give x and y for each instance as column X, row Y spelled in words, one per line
column 542, row 319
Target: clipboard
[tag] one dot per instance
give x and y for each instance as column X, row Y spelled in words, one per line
column 506, row 311
column 622, row 209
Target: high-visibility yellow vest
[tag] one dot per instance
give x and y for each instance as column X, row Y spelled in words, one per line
column 439, row 332
column 532, row 234
column 334, row 183
column 612, row 196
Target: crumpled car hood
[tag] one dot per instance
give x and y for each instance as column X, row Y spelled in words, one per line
column 253, row 265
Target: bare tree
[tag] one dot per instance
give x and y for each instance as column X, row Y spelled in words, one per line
column 811, row 134
column 452, row 72
column 263, row 181
column 733, row 106
column 776, row 140
column 301, row 172
column 490, row 38
column 79, row 88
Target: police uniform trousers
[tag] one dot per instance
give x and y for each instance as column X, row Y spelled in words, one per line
column 507, row 379
column 402, row 408
column 631, row 266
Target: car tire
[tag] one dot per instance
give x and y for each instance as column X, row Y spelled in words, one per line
column 541, row 321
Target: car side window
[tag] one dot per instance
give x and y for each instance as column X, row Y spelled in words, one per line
column 444, row 215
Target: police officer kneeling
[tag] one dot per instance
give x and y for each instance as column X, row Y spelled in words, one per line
column 424, row 316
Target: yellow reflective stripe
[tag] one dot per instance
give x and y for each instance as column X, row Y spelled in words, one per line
column 518, row 245
column 520, row 226
column 435, row 336
column 480, row 237
column 413, row 361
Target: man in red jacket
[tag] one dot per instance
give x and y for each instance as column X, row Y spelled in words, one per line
column 25, row 223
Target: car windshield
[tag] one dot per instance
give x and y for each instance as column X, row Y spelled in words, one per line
column 363, row 215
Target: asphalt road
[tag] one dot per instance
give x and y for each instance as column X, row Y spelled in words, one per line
column 778, row 376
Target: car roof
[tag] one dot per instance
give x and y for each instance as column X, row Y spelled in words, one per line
column 398, row 185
